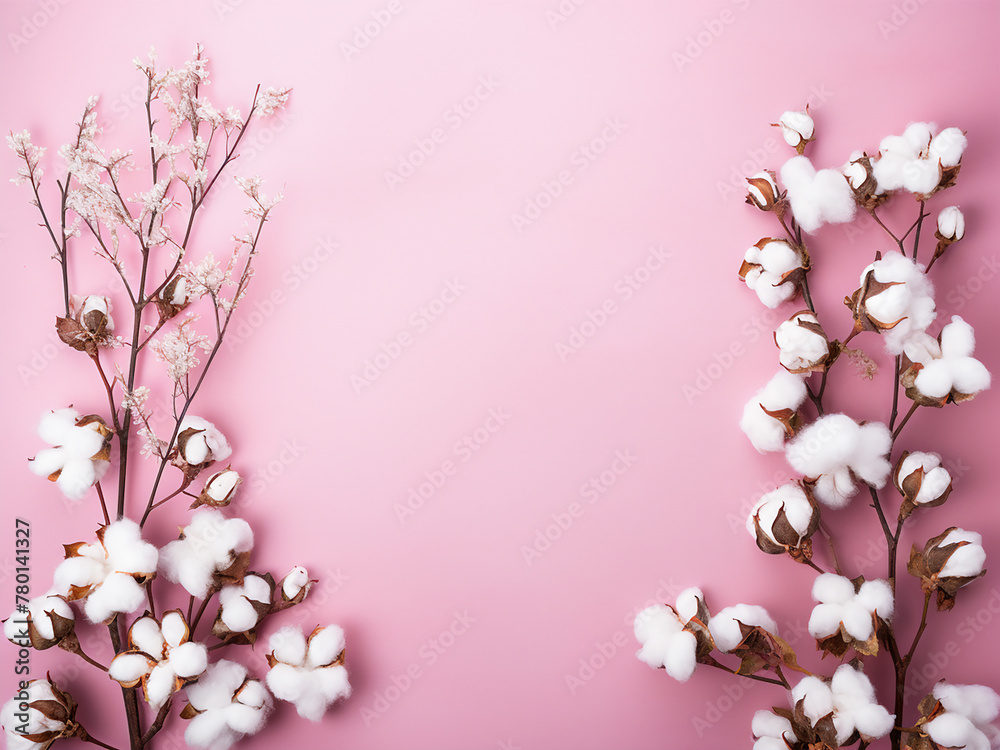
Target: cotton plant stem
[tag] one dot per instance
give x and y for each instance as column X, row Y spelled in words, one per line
column 132, row 715
column 920, row 222
column 201, row 611
column 157, row 724
column 895, row 393
column 902, row 665
column 104, row 505
column 895, row 239
column 906, row 419
column 93, row 741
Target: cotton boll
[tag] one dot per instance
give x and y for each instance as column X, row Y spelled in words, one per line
column 188, row 659
column 325, row 646
column 967, row 560
column 210, row 544
column 918, row 136
column 888, row 171
column 817, row 197
column 207, row 444
column 117, row 593
column 797, row 128
column 56, row 426
column 765, row 266
column 921, row 478
column 954, row 730
column 783, row 391
column 76, row 478
column 978, row 703
column 664, row 642
column 921, row 176
column 237, row 609
column 688, row 602
column 48, row 461
column 289, row 645
column 832, row 588
column 771, row 730
column 951, row 223
column 877, row 596
column 159, row 685
column 295, row 582
column 801, row 343
column 948, row 147
column 129, row 668
column 817, row 697
column 145, row 635
column 798, row 510
column 903, row 309
column 725, row 626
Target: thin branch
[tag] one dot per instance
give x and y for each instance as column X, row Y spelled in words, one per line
column 758, row 678
column 104, row 505
column 906, row 419
column 895, row 393
column 157, row 725
column 896, row 239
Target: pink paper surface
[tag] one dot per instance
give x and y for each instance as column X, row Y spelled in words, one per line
column 637, row 120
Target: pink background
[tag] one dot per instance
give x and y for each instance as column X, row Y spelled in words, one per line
column 326, row 464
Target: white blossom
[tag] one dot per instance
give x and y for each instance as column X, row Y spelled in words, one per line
column 660, row 630
column 229, row 705
column 767, row 268
column 161, row 657
column 309, row 673
column 850, row 697
column 108, row 574
column 80, row 453
column 840, row 606
column 835, row 451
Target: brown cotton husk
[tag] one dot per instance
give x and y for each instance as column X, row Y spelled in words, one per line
column 870, row 287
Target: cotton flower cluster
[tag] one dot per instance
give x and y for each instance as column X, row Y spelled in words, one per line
column 918, row 160
column 108, row 575
column 846, row 611
column 725, row 626
column 309, row 673
column 850, row 698
column 817, row 197
column 212, row 549
column 770, row 268
column 665, row 639
column 921, row 480
column 797, row 128
column 945, row 371
column 219, row 489
column 770, row 417
column 896, row 299
column 967, row 717
column 802, row 344
column 80, row 454
column 200, row 443
column 39, row 718
column 949, row 561
column 161, row 657
column 783, row 520
column 834, row 452
column 225, row 705
column 48, row 620
column 244, row 605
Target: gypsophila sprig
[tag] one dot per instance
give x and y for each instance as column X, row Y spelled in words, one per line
column 171, row 301
column 838, row 456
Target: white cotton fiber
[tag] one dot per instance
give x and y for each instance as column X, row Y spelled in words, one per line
column 918, row 136
column 289, row 645
column 209, row 444
column 174, row 628
column 934, row 481
column 907, row 305
column 210, row 542
column 799, row 347
column 954, row 730
column 118, row 592
column 688, row 602
column 664, row 642
column 955, row 369
column 967, row 560
column 160, row 684
column 948, row 146
column 228, row 711
column 769, row 728
column 145, row 635
column 817, row 197
column 770, row 264
column 796, row 126
column 817, row 696
column 128, row 668
column 839, row 604
column 55, row 426
column 325, row 646
column 978, row 703
column 783, row 391
column 293, row 583
column 72, row 455
column 311, row 691
column 238, row 612
column 951, row 223
column 41, row 608
column 725, row 626
column 921, row 176
column 789, row 497
column 188, row 659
